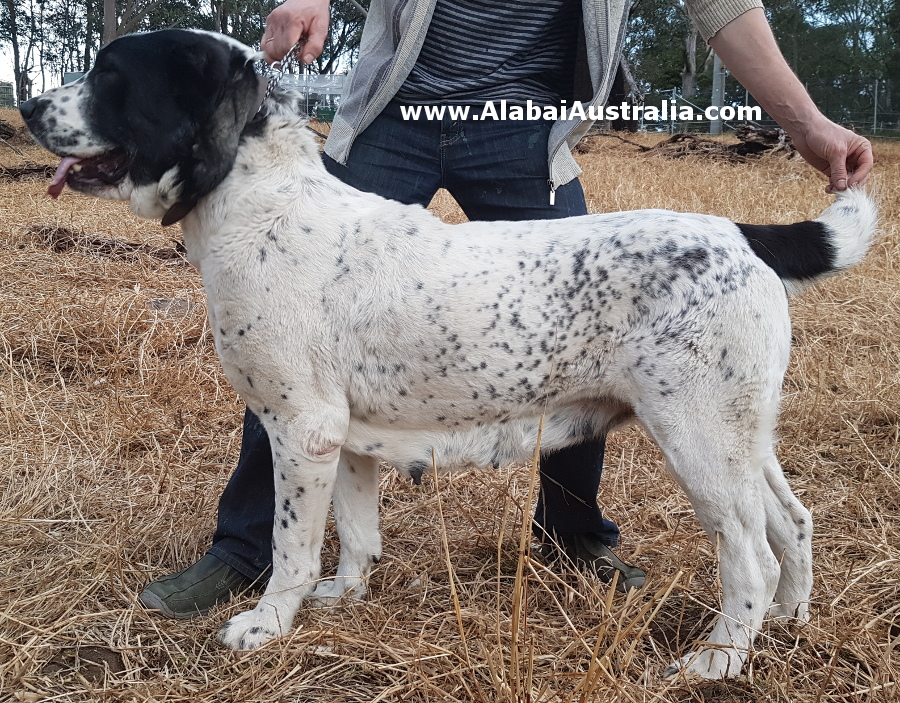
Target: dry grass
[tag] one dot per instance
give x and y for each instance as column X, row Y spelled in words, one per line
column 118, row 432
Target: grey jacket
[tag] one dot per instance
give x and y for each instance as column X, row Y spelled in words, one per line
column 394, row 33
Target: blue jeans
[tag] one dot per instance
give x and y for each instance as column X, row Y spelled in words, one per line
column 496, row 170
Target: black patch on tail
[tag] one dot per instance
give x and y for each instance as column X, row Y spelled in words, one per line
column 799, row 251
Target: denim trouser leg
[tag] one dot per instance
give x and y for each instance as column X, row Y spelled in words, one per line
column 496, row 171
column 570, row 479
column 243, row 537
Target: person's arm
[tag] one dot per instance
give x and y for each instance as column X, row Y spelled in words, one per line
column 748, row 48
column 292, row 21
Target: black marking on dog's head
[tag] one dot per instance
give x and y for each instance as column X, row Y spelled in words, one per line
column 174, row 100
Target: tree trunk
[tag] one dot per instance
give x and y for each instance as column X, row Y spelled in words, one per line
column 109, row 21
column 217, row 12
column 689, row 72
column 89, row 9
column 132, row 16
column 630, row 83
column 26, row 60
column 14, row 41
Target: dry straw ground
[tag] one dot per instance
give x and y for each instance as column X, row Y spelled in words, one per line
column 118, row 432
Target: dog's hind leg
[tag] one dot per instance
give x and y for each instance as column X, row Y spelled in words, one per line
column 305, row 453
column 356, row 515
column 789, row 530
column 713, row 460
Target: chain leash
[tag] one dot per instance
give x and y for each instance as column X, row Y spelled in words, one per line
column 276, row 70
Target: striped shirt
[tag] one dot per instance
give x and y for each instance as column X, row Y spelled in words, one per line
column 480, row 50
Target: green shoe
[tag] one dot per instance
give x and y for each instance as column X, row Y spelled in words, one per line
column 588, row 553
column 192, row 592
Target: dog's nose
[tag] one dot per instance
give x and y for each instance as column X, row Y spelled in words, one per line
column 29, row 108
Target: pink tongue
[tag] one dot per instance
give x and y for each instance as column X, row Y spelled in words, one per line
column 59, row 178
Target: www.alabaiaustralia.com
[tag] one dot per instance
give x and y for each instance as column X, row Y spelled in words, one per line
column 669, row 111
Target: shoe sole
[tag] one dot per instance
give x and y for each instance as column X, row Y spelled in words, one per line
column 623, row 584
column 151, row 601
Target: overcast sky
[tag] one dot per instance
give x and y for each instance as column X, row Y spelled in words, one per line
column 6, row 71
column 6, row 66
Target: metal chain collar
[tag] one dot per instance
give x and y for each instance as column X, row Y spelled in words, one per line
column 276, row 70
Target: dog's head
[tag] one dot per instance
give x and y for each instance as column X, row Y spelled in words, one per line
column 156, row 121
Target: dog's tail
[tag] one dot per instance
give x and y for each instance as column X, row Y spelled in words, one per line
column 805, row 252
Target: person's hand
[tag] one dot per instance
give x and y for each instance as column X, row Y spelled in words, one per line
column 748, row 48
column 846, row 158
column 292, row 21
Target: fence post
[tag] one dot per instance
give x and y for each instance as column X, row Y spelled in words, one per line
column 875, row 114
column 718, row 94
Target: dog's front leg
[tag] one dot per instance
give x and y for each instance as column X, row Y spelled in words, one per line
column 305, row 470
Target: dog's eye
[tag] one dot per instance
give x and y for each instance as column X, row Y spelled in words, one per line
column 108, row 85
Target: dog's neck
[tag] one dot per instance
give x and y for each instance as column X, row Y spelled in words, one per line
column 278, row 104
column 278, row 155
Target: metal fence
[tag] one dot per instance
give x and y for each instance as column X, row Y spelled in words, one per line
column 322, row 92
column 870, row 106
column 867, row 106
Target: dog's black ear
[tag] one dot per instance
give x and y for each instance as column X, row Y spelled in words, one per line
column 216, row 141
column 177, row 212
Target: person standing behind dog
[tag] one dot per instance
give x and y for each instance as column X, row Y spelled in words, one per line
column 467, row 52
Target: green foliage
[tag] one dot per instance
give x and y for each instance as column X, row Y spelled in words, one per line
column 892, row 62
column 179, row 14
column 838, row 48
column 654, row 45
column 55, row 36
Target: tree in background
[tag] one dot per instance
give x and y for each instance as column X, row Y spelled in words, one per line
column 658, row 31
column 892, row 64
column 243, row 20
column 52, row 37
column 125, row 16
column 15, row 30
column 841, row 50
column 342, row 44
column 846, row 52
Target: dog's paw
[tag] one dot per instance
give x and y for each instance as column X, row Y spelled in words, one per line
column 251, row 629
column 330, row 593
column 707, row 663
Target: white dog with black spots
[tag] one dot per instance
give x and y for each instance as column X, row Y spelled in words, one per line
column 359, row 329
